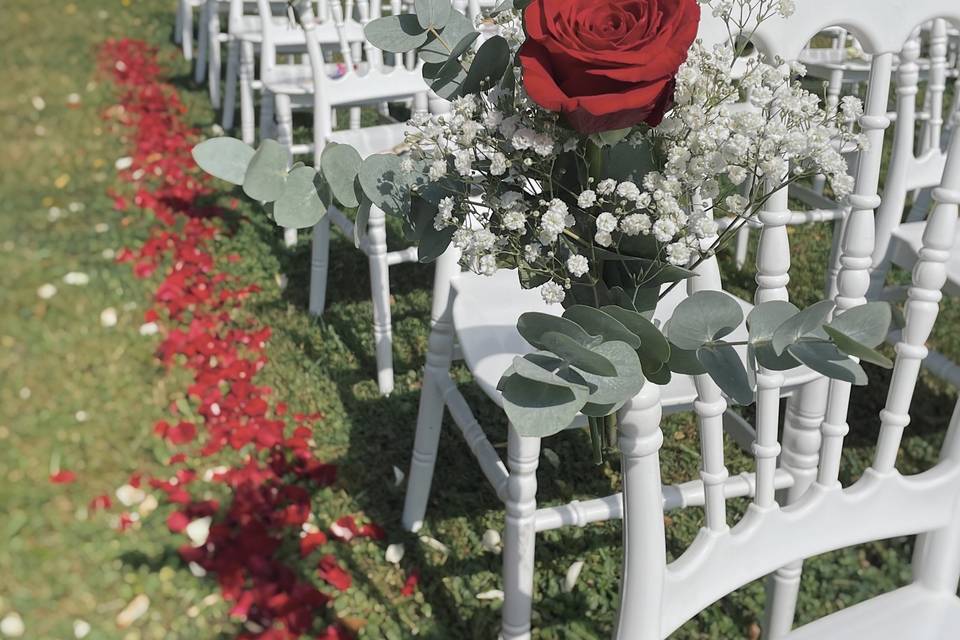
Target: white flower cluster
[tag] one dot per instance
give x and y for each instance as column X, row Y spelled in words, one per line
column 513, row 182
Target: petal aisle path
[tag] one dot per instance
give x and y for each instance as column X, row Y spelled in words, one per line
column 275, row 567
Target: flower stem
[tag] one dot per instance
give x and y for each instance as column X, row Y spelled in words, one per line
column 596, row 439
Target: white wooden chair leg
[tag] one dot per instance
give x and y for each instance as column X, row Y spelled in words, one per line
column 186, row 30
column 290, row 238
column 214, row 63
column 644, row 552
column 178, row 23
column 380, row 292
column 270, row 119
column 355, row 115
column 230, row 90
column 430, row 412
column 247, row 121
column 203, row 42
column 319, row 263
column 799, row 456
column 743, row 244
column 936, row 556
column 520, row 535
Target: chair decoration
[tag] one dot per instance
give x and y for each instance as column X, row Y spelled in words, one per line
column 592, row 154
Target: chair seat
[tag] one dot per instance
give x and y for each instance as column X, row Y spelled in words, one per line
column 286, row 35
column 912, row 612
column 297, row 80
column 485, row 313
column 905, row 248
column 370, row 140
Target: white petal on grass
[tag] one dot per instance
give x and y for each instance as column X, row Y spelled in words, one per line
column 134, row 610
column 197, row 570
column 81, row 628
column 148, row 506
column 74, row 207
column 108, row 317
column 395, row 553
column 12, row 625
column 435, row 544
column 25, row 393
column 73, row 98
column 199, row 530
column 54, row 213
column 398, row 476
column 572, row 574
column 38, row 103
column 491, row 540
column 492, row 594
column 149, row 328
column 108, row 254
column 123, row 163
column 129, row 495
column 343, row 533
column 76, row 278
column 46, row 291
column 101, row 227
column 281, row 280
column 551, row 457
column 81, row 416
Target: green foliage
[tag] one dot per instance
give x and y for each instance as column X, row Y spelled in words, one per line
column 267, row 172
column 340, row 164
column 432, row 14
column 224, row 158
column 396, row 34
column 489, row 63
column 300, row 205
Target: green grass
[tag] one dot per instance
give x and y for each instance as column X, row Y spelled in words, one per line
column 63, row 564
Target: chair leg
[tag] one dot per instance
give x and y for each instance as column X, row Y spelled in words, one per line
column 247, row 123
column 430, row 412
column 380, row 292
column 284, row 119
column 319, row 263
column 268, row 121
column 203, row 43
column 214, row 69
column 743, row 243
column 178, row 24
column 230, row 91
column 800, row 456
column 519, row 539
column 186, row 30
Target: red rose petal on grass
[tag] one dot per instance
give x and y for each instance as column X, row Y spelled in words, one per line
column 177, row 521
column 334, row 632
column 63, row 477
column 334, row 575
column 100, row 502
column 310, row 542
column 410, row 584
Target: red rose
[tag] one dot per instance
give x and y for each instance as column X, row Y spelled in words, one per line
column 606, row 64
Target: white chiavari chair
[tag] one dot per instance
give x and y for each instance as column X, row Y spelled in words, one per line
column 363, row 79
column 183, row 29
column 658, row 596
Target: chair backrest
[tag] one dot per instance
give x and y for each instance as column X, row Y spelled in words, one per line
column 369, row 76
column 656, row 596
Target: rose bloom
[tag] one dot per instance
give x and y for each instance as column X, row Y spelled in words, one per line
column 606, row 64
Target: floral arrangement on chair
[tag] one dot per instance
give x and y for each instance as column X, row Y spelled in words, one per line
column 603, row 152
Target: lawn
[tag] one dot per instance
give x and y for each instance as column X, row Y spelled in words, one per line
column 80, row 396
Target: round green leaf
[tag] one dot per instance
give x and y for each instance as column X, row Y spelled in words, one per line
column 267, row 172
column 340, row 164
column 534, row 325
column 653, row 344
column 396, row 34
column 867, row 324
column 538, row 410
column 385, row 184
column 576, row 354
column 300, row 205
column 599, row 323
column 224, row 158
column 826, row 359
column 806, row 323
column 703, row 317
column 611, row 392
column 725, row 367
column 432, row 13
column 762, row 322
column 856, row 349
column 439, row 49
column 488, row 65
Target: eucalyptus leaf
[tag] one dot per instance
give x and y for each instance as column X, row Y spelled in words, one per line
column 599, row 323
column 583, row 358
column 544, row 367
column 432, row 13
column 652, row 342
column 826, row 359
column 340, row 164
column 488, row 65
column 856, row 349
column 762, row 323
column 703, row 317
column 806, row 323
column 538, row 410
column 224, row 158
column 684, row 362
column 385, row 184
column 439, row 49
column 300, row 205
column 267, row 172
column 611, row 392
column 533, row 325
column 361, row 222
column 725, row 367
column 396, row 33
column 866, row 324
column 445, row 78
column 613, row 136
